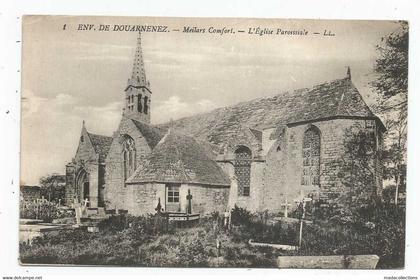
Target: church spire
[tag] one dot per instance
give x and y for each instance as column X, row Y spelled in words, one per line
column 137, row 93
column 138, row 75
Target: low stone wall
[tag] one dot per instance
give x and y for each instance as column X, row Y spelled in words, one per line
column 27, row 232
column 275, row 246
column 329, row 262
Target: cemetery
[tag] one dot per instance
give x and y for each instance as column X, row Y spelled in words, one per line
column 279, row 177
column 292, row 239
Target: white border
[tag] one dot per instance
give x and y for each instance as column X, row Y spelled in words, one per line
column 10, row 32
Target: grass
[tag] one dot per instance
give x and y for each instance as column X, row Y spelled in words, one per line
column 151, row 241
column 190, row 247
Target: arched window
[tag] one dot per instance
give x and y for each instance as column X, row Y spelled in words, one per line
column 129, row 156
column 243, row 158
column 311, row 150
column 146, row 105
column 139, row 105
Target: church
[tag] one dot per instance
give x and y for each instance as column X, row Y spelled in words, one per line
column 259, row 155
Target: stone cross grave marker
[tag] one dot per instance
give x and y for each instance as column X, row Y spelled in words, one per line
column 301, row 200
column 86, row 202
column 286, row 207
column 78, row 210
column 189, row 198
column 226, row 219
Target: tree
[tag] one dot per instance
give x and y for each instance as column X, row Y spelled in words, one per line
column 53, row 187
column 391, row 87
column 392, row 68
column 359, row 169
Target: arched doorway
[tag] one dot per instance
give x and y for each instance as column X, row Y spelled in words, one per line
column 83, row 185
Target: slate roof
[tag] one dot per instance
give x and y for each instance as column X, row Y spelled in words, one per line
column 150, row 133
column 338, row 98
column 101, row 144
column 178, row 158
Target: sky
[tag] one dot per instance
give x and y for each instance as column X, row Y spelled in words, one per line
column 70, row 75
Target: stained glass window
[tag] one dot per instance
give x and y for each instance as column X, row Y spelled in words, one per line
column 311, row 157
column 242, row 165
column 129, row 156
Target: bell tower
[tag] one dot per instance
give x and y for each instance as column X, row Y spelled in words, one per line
column 137, row 92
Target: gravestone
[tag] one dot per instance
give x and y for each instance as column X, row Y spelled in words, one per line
column 286, row 208
column 78, row 211
column 189, row 198
column 302, row 200
column 226, row 220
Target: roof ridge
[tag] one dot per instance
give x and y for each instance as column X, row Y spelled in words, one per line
column 99, row 135
column 91, row 141
column 182, row 158
column 359, row 96
column 151, row 140
column 290, row 92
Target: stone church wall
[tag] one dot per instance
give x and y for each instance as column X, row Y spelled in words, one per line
column 254, row 201
column 87, row 159
column 142, row 199
column 206, row 199
column 275, row 176
column 115, row 191
column 333, row 150
column 284, row 163
column 70, row 188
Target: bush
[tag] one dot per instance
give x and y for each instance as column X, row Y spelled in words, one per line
column 114, row 223
column 241, row 216
column 150, row 241
column 375, row 228
column 46, row 211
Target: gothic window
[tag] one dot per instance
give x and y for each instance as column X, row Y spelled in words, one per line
column 125, row 165
column 129, row 156
column 139, row 106
column 146, row 105
column 173, row 193
column 242, row 164
column 311, row 157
